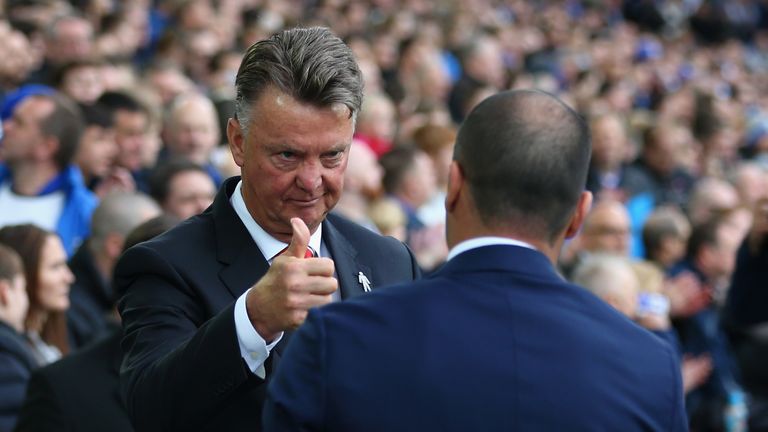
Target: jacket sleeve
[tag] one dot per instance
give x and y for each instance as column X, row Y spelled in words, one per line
column 296, row 397
column 41, row 410
column 748, row 293
column 177, row 367
column 14, row 376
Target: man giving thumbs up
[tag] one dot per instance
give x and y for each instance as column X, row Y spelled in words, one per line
column 206, row 305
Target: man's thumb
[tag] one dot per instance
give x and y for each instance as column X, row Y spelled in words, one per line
column 300, row 239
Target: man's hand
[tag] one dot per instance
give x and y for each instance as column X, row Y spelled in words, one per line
column 687, row 296
column 695, row 371
column 281, row 298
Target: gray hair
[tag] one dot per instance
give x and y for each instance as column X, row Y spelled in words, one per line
column 120, row 212
column 600, row 274
column 310, row 64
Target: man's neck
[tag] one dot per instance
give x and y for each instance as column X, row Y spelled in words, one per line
column 29, row 179
column 552, row 251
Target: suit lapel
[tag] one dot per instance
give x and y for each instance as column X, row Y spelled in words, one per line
column 345, row 260
column 243, row 263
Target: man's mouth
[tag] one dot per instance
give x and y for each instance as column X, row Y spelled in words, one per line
column 309, row 202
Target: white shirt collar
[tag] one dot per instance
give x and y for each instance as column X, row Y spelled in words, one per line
column 478, row 242
column 268, row 245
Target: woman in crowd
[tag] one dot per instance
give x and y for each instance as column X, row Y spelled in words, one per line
column 48, row 282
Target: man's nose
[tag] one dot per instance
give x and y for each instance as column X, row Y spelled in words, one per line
column 309, row 177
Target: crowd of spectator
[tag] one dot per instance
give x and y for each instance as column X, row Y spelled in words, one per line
column 114, row 112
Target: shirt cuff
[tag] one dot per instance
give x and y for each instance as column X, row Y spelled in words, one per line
column 253, row 348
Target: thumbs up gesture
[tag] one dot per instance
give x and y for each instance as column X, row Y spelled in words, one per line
column 293, row 284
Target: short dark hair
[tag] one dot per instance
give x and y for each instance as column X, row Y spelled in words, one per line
column 396, row 164
column 60, row 73
column 10, row 263
column 115, row 101
column 65, row 123
column 150, row 229
column 663, row 223
column 97, row 114
column 525, row 156
column 310, row 64
column 160, row 180
column 703, row 235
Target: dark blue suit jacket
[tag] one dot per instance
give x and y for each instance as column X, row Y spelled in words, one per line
column 495, row 340
column 182, row 368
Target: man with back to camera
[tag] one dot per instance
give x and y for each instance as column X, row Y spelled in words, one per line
column 496, row 339
column 208, row 302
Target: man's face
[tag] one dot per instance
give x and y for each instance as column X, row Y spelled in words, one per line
column 608, row 230
column 74, row 41
column 193, row 132
column 363, row 173
column 97, row 150
column 608, row 143
column 189, row 193
column 421, row 181
column 293, row 160
column 131, row 136
column 723, row 256
column 21, row 132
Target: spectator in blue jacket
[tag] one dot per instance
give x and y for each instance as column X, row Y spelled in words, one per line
column 37, row 178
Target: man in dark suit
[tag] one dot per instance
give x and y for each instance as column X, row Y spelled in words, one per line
column 496, row 339
column 206, row 304
column 746, row 315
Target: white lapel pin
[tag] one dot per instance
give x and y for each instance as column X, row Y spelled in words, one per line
column 363, row 280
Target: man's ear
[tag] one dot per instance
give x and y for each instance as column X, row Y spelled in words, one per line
column 582, row 208
column 455, row 186
column 113, row 245
column 47, row 147
column 5, row 287
column 236, row 141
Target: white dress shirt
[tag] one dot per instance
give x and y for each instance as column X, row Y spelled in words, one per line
column 478, row 242
column 253, row 348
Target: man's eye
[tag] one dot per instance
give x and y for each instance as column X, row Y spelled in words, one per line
column 287, row 155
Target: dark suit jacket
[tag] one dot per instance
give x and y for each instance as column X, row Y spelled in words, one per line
column 182, row 368
column 495, row 340
column 16, row 365
column 79, row 393
column 745, row 313
column 92, row 300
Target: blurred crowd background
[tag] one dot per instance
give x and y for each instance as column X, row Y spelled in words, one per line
column 139, row 93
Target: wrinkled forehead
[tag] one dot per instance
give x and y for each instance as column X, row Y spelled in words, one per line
column 286, row 101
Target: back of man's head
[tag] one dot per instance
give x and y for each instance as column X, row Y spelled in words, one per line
column 10, row 264
column 310, row 64
column 13, row 297
column 117, row 214
column 611, row 278
column 525, row 156
column 65, row 123
column 664, row 226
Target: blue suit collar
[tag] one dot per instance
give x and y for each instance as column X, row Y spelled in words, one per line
column 505, row 258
